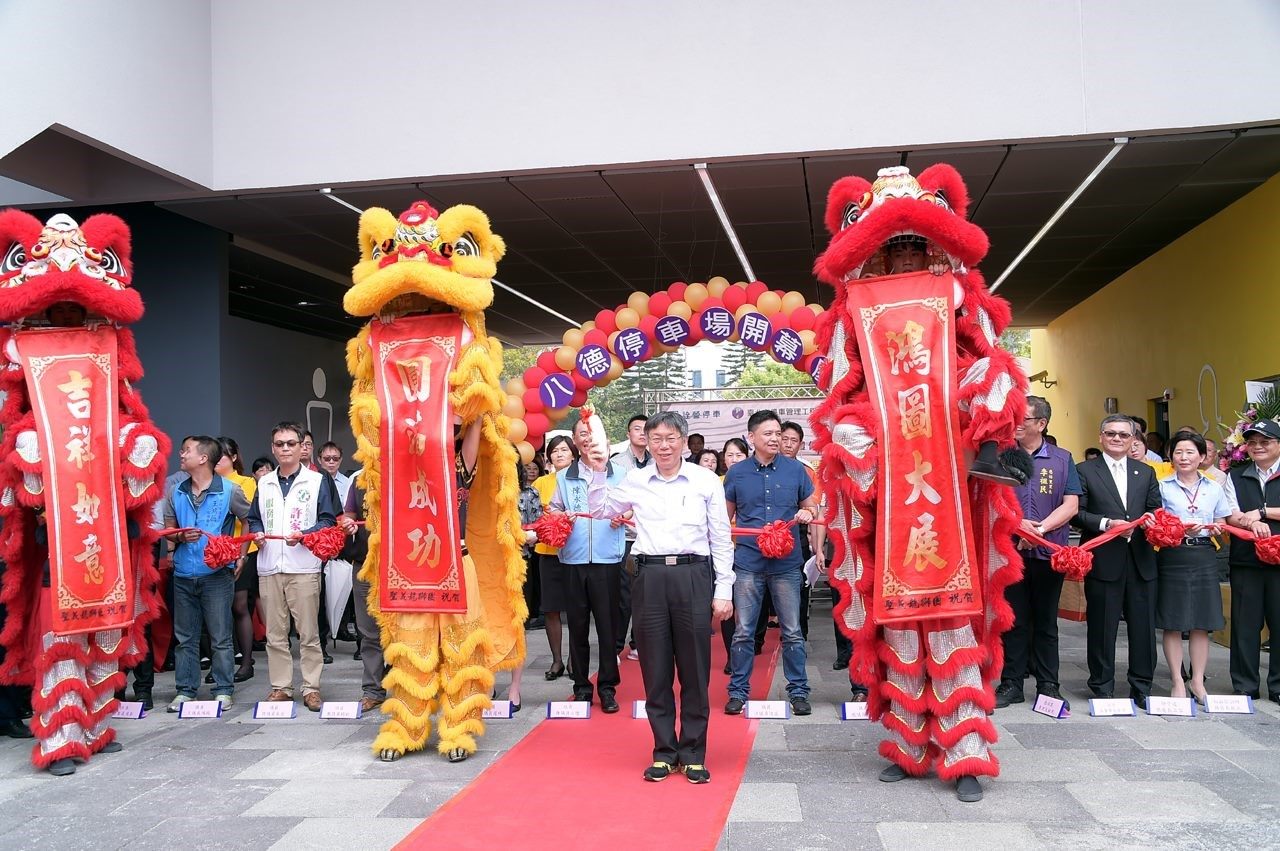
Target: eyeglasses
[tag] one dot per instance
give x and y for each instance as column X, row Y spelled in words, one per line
column 330, row 457
column 1031, row 419
column 281, row 444
column 1259, row 442
column 664, row 441
column 1124, row 435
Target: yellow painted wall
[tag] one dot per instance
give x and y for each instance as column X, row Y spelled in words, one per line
column 1199, row 317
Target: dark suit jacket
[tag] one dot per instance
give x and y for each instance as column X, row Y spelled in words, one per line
column 1101, row 499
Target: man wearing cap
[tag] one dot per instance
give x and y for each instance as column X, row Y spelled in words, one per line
column 1255, row 587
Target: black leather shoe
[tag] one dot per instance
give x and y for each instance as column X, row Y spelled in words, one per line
column 356, row 655
column 608, row 704
column 734, row 706
column 16, row 730
column 840, row 665
column 1138, row 698
column 801, row 706
column 1008, row 694
column 1052, row 691
column 205, row 663
column 1252, row 694
column 583, row 698
column 968, row 789
column 144, row 697
column 328, row 660
column 208, row 678
column 859, row 695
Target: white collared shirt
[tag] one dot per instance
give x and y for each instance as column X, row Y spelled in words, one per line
column 683, row 515
column 1264, row 475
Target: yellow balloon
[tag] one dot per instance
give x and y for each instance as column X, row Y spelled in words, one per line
column 517, row 431
column 679, row 308
column 695, row 295
column 616, row 369
column 816, row 308
column 573, row 338
column 565, row 357
column 613, row 337
column 525, row 450
column 810, row 341
column 717, row 285
column 515, row 387
column 744, row 310
column 514, row 408
column 791, row 301
column 627, row 318
column 588, row 325
column 557, row 414
column 769, row 303
column 639, row 302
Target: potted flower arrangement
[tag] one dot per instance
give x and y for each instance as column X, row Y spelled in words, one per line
column 1266, row 408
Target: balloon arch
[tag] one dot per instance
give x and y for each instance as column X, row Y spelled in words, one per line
column 648, row 325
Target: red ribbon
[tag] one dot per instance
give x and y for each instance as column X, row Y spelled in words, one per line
column 221, row 550
column 775, row 538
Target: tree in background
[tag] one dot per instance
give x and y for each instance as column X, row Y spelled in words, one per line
column 768, row 374
column 1016, row 341
column 735, row 359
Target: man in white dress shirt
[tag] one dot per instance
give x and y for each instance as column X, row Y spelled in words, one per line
column 684, row 565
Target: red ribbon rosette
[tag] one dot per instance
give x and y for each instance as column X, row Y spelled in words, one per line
column 1167, row 530
column 1072, row 562
column 776, row 540
column 325, row 543
column 553, row 529
column 221, row 551
column 1268, row 549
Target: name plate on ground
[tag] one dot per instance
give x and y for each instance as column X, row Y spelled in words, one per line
column 276, row 709
column 200, row 709
column 572, row 709
column 1107, row 707
column 852, row 710
column 332, row 710
column 500, row 709
column 768, row 709
column 1051, row 706
column 1230, row 704
column 1183, row 706
column 130, row 709
column 639, row 709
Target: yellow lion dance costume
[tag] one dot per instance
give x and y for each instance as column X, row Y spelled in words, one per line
column 427, row 264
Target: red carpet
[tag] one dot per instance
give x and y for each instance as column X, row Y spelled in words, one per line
column 578, row 783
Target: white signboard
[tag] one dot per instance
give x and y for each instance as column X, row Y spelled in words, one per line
column 1102, row 707
column 768, row 709
column 575, row 709
column 1183, row 706
column 340, row 709
column 1232, row 704
column 200, row 709
column 500, row 709
column 854, row 711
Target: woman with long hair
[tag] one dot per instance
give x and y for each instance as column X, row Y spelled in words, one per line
column 554, row 579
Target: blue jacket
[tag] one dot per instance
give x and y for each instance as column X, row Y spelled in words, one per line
column 592, row 541
column 213, row 516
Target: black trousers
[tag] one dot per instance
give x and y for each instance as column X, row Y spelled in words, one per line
column 1031, row 644
column 1255, row 599
column 671, row 607
column 844, row 647
column 623, row 621
column 593, row 592
column 532, row 585
column 1104, row 601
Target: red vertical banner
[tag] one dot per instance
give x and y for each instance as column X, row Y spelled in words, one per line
column 71, row 377
column 420, row 559
column 925, row 558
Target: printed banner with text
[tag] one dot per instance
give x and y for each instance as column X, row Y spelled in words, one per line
column 720, row 419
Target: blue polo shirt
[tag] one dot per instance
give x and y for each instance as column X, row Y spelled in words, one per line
column 763, row 493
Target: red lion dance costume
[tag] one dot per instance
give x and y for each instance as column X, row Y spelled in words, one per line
column 915, row 384
column 80, row 468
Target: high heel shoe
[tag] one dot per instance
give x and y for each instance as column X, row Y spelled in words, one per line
column 242, row 675
column 552, row 672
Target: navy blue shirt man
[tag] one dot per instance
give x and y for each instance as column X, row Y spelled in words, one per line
column 766, row 487
column 1049, row 499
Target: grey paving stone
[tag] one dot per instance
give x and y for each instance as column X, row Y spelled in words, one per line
column 1153, row 801
column 88, row 795
column 1257, row 798
column 1186, row 734
column 330, row 799
column 420, row 800
column 1022, row 765
column 74, row 833
column 772, row 802
column 829, row 737
column 294, row 735
column 214, row 733
column 176, row 796
column 1195, row 765
column 12, row 788
column 230, row 833
column 1077, row 733
column 323, row 834
column 911, row 836
column 426, row 765
column 792, row 836
column 801, row 767
column 1263, row 765
column 770, row 738
column 1126, row 837
column 338, row 764
column 914, row 800
column 1005, row 801
column 1215, row 837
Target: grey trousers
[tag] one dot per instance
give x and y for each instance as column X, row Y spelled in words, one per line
column 370, row 644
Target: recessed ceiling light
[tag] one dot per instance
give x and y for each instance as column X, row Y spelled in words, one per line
column 307, row 303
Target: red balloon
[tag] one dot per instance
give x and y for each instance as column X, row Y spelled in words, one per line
column 676, row 290
column 755, row 289
column 581, row 382
column 547, row 362
column 710, row 302
column 802, row 319
column 695, row 331
column 658, row 304
column 579, row 399
column 597, row 337
column 734, row 297
column 533, row 377
column 606, row 321
column 648, row 325
column 532, row 403
column 806, row 362
column 780, row 293
column 537, row 424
